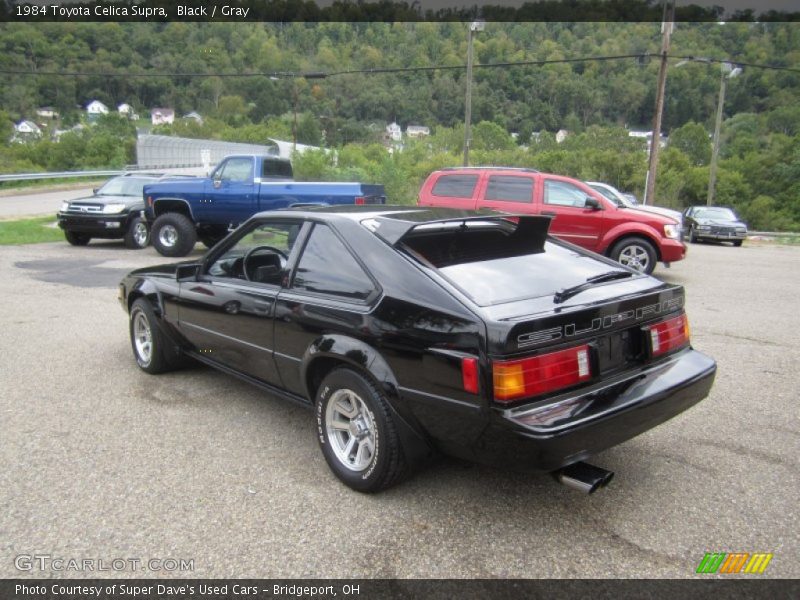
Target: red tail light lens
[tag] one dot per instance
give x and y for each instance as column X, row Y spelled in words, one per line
column 668, row 335
column 361, row 200
column 514, row 379
column 469, row 374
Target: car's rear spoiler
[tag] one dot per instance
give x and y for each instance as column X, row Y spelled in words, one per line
column 395, row 228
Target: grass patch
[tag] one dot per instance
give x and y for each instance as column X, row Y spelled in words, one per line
column 44, row 184
column 29, row 231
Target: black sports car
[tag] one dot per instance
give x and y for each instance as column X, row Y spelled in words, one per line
column 412, row 330
column 714, row 223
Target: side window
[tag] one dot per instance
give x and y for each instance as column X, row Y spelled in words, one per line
column 327, row 267
column 562, row 193
column 273, row 169
column 260, row 255
column 237, row 169
column 455, row 186
column 510, row 188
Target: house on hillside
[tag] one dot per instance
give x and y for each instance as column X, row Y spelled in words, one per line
column 415, row 131
column 162, row 116
column 126, row 110
column 393, row 132
column 194, row 116
column 561, row 135
column 47, row 112
column 26, row 130
column 94, row 109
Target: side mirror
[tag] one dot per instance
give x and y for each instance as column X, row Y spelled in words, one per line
column 592, row 203
column 188, row 272
column 217, row 183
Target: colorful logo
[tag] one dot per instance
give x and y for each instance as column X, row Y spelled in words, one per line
column 734, row 562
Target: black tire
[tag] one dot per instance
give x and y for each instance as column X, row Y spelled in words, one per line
column 692, row 236
column 173, row 234
column 77, row 239
column 138, row 234
column 162, row 356
column 635, row 252
column 737, row 243
column 382, row 463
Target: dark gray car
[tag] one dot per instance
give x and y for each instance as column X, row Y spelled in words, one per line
column 714, row 223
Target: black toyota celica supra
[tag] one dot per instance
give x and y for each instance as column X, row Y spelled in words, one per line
column 411, row 331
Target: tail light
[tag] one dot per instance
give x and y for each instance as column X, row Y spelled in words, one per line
column 668, row 335
column 514, row 379
column 360, row 200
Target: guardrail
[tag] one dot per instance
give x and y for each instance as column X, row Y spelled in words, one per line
column 59, row 175
column 772, row 234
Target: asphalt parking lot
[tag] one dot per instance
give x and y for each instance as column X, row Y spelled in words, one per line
column 102, row 461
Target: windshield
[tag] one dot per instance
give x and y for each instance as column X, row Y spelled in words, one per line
column 721, row 214
column 617, row 197
column 124, row 186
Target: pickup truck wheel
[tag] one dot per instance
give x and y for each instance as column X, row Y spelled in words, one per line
column 150, row 347
column 138, row 234
column 636, row 253
column 356, row 432
column 77, row 239
column 174, row 234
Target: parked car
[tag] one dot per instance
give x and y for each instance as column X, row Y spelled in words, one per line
column 580, row 214
column 630, row 201
column 240, row 186
column 113, row 211
column 714, row 223
column 414, row 330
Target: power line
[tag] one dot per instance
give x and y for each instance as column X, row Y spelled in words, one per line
column 389, row 70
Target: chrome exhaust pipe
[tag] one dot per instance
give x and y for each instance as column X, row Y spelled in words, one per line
column 584, row 477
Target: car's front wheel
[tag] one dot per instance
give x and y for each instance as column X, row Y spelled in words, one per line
column 77, row 239
column 138, row 234
column 737, row 242
column 174, row 234
column 151, row 348
column 636, row 253
column 357, row 433
column 692, row 235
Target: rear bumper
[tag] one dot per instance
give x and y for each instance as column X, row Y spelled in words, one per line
column 571, row 428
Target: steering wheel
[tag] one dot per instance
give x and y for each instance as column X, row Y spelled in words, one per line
column 255, row 249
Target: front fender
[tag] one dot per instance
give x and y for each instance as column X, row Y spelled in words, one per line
column 629, row 229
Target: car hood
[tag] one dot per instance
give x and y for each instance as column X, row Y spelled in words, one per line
column 664, row 212
column 165, row 270
column 126, row 200
column 720, row 223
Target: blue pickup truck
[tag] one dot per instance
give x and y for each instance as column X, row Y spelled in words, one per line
column 206, row 208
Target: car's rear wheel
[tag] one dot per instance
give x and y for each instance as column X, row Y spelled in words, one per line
column 77, row 239
column 151, row 349
column 138, row 234
column 636, row 253
column 357, row 433
column 174, row 234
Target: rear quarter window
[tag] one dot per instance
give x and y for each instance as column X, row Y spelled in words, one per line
column 510, row 188
column 455, row 186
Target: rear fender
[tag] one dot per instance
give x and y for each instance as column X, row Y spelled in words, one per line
column 368, row 361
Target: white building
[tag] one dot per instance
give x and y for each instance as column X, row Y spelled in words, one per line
column 561, row 135
column 415, row 131
column 27, row 129
column 393, row 132
column 194, row 116
column 47, row 112
column 161, row 116
column 95, row 107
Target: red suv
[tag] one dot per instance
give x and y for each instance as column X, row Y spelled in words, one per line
column 580, row 214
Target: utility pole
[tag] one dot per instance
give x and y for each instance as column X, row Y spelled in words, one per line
column 727, row 72
column 666, row 31
column 473, row 27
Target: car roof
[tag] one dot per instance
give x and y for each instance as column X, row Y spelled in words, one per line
column 489, row 168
